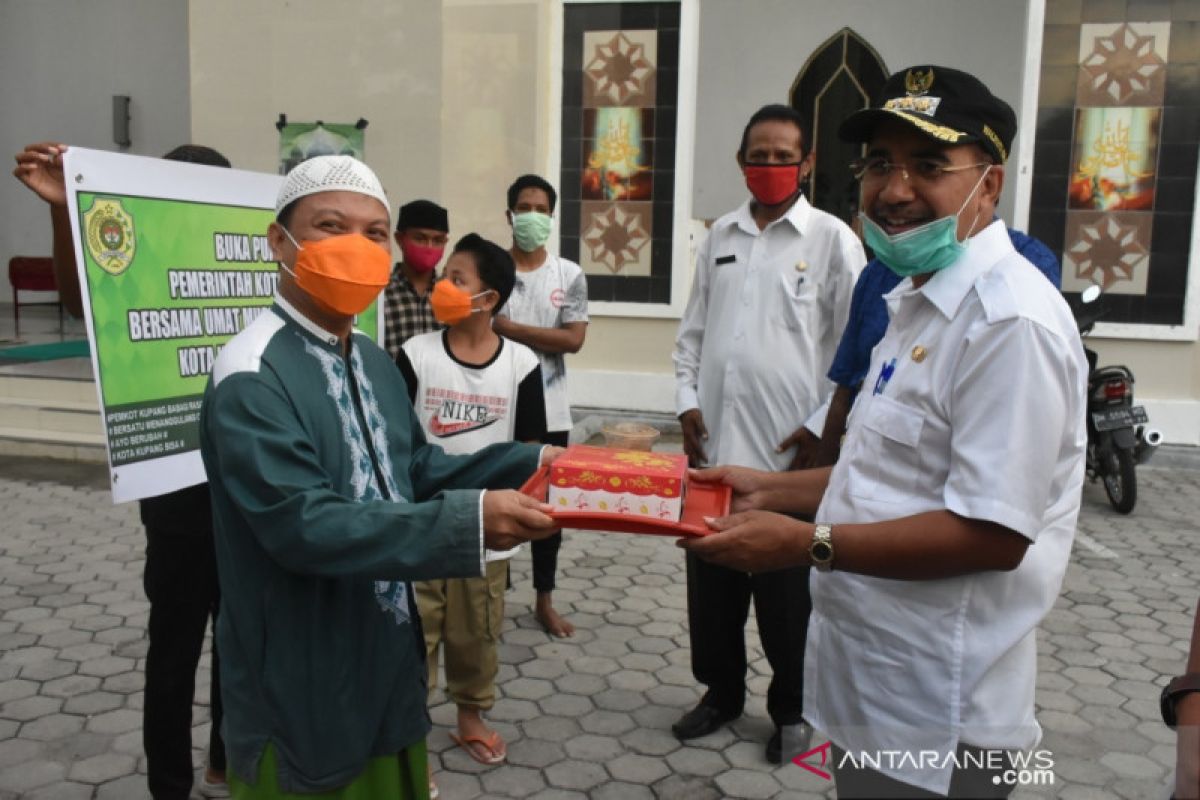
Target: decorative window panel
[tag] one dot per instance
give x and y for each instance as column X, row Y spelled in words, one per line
column 617, row 186
column 1115, row 163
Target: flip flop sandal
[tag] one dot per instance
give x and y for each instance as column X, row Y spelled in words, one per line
column 491, row 743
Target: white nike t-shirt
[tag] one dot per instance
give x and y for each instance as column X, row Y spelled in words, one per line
column 466, row 407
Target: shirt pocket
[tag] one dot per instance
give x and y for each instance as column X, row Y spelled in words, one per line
column 887, row 463
column 793, row 298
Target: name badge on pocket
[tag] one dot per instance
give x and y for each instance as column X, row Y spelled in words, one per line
column 725, row 260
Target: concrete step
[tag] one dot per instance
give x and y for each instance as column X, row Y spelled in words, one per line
column 50, row 416
column 49, row 444
column 89, row 406
column 54, row 391
column 31, row 414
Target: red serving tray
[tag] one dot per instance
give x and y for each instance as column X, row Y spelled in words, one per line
column 702, row 500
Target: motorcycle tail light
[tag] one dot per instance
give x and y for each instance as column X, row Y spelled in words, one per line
column 1115, row 390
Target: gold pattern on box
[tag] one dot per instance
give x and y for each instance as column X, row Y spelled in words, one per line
column 622, row 481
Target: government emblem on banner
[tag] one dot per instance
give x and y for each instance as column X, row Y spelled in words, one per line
column 108, row 232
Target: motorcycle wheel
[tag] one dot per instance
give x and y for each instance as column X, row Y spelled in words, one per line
column 1120, row 480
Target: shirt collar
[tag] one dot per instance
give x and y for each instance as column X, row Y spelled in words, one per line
column 797, row 216
column 948, row 288
column 400, row 277
column 289, row 311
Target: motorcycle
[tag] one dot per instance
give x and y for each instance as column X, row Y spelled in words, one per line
column 1119, row 435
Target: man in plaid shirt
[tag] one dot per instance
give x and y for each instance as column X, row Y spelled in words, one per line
column 422, row 230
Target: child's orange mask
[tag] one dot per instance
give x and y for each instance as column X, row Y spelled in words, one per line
column 450, row 304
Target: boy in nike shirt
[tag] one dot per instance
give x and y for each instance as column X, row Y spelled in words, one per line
column 471, row 387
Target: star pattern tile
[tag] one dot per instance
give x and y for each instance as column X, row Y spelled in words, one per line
column 620, row 69
column 615, row 238
column 1123, row 65
column 1107, row 252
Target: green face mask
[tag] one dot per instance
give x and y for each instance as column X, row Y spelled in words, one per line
column 929, row 248
column 531, row 229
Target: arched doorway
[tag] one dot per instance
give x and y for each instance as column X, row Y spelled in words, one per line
column 840, row 77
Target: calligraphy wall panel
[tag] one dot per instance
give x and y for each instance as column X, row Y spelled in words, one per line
column 1115, row 161
column 620, row 84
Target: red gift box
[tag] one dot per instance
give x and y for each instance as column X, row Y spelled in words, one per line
column 620, row 471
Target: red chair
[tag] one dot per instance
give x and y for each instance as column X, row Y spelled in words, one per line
column 32, row 274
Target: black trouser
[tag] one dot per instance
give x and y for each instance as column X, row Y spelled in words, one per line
column 718, row 604
column 545, row 551
column 181, row 584
column 970, row 783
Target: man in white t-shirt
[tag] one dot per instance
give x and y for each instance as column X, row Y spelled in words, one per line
column 547, row 312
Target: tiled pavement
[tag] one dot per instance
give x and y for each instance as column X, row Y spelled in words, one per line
column 587, row 717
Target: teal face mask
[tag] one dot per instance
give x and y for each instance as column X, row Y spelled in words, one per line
column 531, row 229
column 929, row 248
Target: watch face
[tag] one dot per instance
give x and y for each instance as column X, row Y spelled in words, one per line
column 822, row 551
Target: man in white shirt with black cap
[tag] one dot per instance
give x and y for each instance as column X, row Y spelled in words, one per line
column 943, row 532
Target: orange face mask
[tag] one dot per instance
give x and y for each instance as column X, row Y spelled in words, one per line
column 345, row 273
column 451, row 304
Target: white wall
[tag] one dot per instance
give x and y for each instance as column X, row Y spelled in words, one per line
column 61, row 61
column 751, row 52
column 450, row 89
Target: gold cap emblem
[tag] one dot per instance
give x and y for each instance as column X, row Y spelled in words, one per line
column 917, row 82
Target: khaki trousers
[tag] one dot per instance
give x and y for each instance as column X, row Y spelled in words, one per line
column 464, row 616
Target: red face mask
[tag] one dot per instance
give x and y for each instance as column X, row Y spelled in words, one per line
column 420, row 257
column 772, row 184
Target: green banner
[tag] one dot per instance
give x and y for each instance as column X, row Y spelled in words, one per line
column 170, row 281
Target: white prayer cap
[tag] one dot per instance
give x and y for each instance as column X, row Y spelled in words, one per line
column 330, row 174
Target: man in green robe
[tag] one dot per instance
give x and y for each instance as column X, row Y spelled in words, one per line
column 327, row 502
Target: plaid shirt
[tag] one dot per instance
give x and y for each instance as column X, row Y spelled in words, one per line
column 405, row 313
